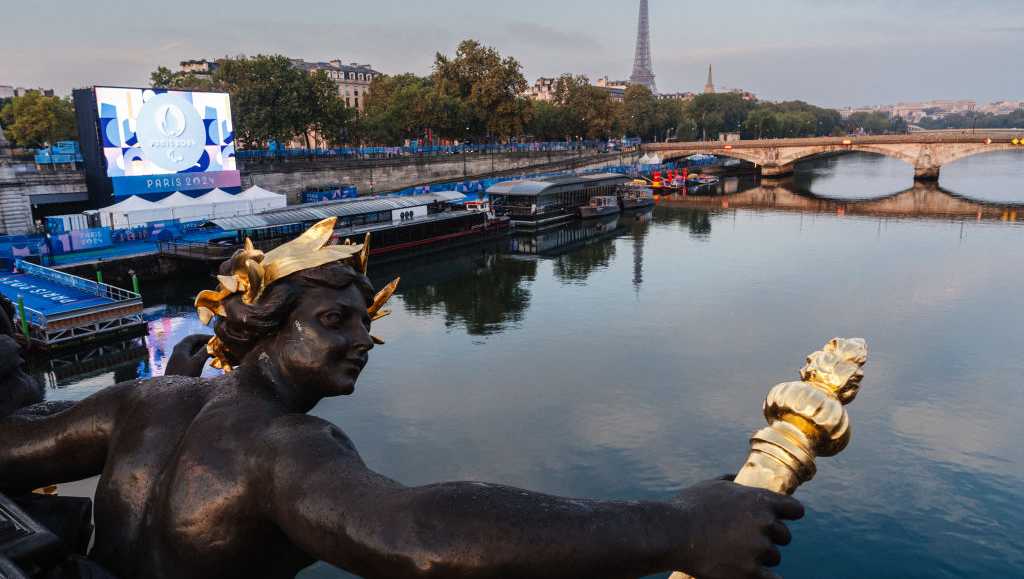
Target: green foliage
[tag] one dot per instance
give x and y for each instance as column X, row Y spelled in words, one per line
column 707, row 115
column 588, row 112
column 329, row 119
column 34, row 120
column 644, row 115
column 791, row 119
column 549, row 122
column 973, row 120
column 489, row 87
column 272, row 100
column 406, row 106
column 874, row 123
column 163, row 77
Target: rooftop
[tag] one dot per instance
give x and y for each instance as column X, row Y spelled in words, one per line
column 534, row 187
column 320, row 211
column 334, row 65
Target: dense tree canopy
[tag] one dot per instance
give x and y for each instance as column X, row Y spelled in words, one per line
column 272, row 100
column 489, row 86
column 875, row 123
column 1013, row 120
column 478, row 95
column 34, row 120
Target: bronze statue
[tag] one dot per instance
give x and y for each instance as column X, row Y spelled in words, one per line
column 229, row 477
column 17, row 388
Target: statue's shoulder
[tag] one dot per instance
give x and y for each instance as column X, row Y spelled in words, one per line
column 301, row 432
column 160, row 391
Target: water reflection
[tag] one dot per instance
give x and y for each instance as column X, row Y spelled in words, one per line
column 627, row 358
column 922, row 200
column 853, row 175
column 696, row 221
column 994, row 177
column 478, row 289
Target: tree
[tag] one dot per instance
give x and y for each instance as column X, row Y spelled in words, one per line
column 707, row 115
column 34, row 120
column 872, row 123
column 588, row 111
column 491, row 88
column 270, row 98
column 164, row 77
column 644, row 115
column 329, row 117
column 548, row 122
column 407, row 106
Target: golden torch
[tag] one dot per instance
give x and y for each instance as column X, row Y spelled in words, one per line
column 806, row 419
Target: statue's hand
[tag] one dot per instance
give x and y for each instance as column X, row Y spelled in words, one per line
column 734, row 530
column 189, row 357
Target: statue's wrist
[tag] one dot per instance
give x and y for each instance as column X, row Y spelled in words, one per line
column 682, row 534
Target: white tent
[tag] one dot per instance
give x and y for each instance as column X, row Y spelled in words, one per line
column 226, row 204
column 187, row 208
column 132, row 212
column 263, row 200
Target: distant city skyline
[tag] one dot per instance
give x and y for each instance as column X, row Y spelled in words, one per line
column 855, row 53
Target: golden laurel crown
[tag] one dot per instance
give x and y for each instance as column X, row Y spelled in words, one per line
column 253, row 271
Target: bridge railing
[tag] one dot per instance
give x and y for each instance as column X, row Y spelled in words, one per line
column 66, row 279
column 936, row 138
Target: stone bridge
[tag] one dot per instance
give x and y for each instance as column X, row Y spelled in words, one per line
column 926, row 152
column 923, row 200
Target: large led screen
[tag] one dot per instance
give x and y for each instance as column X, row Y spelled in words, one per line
column 161, row 141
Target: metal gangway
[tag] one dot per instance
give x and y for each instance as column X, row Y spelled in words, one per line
column 54, row 308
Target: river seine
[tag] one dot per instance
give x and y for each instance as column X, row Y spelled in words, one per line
column 627, row 359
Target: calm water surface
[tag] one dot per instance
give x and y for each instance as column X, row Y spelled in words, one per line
column 632, row 362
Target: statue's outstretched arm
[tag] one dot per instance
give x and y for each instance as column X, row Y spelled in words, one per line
column 64, row 447
column 332, row 506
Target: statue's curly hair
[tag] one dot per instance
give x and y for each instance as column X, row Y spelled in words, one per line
column 246, row 325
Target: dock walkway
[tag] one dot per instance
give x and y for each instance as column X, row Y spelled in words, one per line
column 61, row 308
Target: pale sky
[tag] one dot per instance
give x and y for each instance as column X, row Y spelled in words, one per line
column 828, row 52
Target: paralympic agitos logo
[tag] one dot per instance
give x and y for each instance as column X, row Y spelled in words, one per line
column 170, row 133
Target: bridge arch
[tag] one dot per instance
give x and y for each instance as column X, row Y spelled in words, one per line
column 777, row 158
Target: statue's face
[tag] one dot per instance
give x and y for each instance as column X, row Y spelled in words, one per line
column 324, row 345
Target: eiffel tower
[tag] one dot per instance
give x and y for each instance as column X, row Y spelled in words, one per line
column 643, row 70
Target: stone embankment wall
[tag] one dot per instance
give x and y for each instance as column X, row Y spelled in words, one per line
column 20, row 181
column 383, row 175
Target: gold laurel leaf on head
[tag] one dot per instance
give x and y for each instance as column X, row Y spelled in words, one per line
column 205, row 315
column 377, row 340
column 211, row 300
column 229, row 282
column 364, row 256
column 215, row 348
column 383, row 296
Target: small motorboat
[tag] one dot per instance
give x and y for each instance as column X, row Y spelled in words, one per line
column 600, row 205
column 636, row 196
column 698, row 180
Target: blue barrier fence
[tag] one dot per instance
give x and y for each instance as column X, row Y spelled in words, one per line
column 60, row 153
column 59, row 247
column 480, row 186
column 418, row 149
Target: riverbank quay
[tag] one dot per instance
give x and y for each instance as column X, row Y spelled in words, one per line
column 29, row 194
column 376, row 176
column 144, row 256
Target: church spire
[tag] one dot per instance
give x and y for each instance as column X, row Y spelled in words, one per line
column 709, row 88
